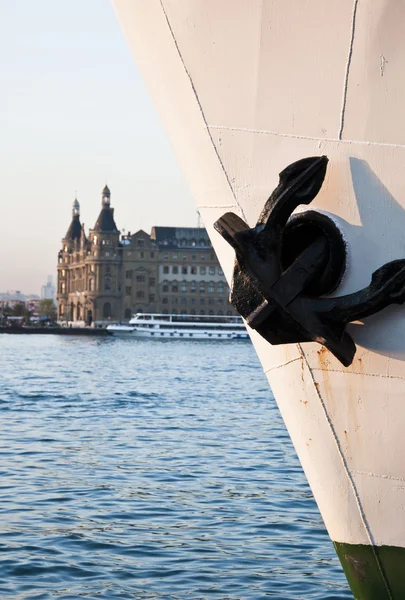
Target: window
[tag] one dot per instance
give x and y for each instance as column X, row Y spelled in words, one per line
column 184, row 270
column 151, row 297
column 202, row 256
column 107, row 269
column 128, row 290
column 211, row 287
column 193, row 300
column 221, row 287
column 184, row 257
column 140, row 278
column 91, row 285
column 107, row 285
column 220, row 271
column 220, row 301
column 152, row 255
column 174, row 256
column 175, row 300
column 212, row 255
column 62, row 288
column 152, row 281
column 193, row 286
column 106, row 253
column 202, row 301
column 165, row 269
column 210, row 301
column 165, row 300
column 202, row 270
column 165, row 286
column 193, row 270
column 184, row 286
column 94, row 241
column 63, row 272
column 194, row 256
column 202, row 286
column 183, row 301
column 141, row 242
column 128, row 274
column 175, row 287
column 141, row 254
column 140, row 294
column 175, row 270
column 166, row 256
column 212, row 270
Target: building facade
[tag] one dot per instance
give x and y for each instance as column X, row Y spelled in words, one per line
column 107, row 277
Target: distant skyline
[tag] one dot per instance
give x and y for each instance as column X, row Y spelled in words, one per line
column 74, row 115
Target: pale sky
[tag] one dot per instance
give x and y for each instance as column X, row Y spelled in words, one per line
column 75, row 114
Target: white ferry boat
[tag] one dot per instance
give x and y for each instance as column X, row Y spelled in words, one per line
column 248, row 90
column 182, row 327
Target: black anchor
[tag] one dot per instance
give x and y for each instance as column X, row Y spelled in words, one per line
column 284, row 264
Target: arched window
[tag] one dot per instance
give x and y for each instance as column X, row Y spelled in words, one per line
column 175, row 287
column 221, row 287
column 193, row 286
column 127, row 313
column 106, row 310
column 184, row 286
column 202, row 286
column 211, row 287
column 165, row 286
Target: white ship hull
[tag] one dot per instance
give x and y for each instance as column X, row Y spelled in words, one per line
column 244, row 88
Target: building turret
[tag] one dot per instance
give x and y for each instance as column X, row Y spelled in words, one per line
column 105, row 222
column 75, row 227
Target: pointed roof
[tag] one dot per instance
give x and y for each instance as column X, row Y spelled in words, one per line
column 105, row 222
column 75, row 229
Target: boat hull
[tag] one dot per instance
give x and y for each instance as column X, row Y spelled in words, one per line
column 245, row 89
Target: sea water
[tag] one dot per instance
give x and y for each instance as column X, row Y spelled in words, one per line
column 151, row 469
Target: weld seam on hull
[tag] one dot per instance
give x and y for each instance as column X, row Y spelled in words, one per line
column 218, row 206
column 347, row 70
column 282, row 365
column 381, row 375
column 307, row 137
column 200, row 107
column 349, row 477
column 378, row 475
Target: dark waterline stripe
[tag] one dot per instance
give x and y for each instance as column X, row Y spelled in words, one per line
column 366, row 580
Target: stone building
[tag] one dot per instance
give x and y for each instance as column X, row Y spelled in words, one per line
column 107, row 277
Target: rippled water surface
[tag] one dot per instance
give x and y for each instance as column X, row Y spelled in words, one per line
column 147, row 469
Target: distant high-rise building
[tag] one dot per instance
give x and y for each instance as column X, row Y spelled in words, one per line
column 108, row 277
column 48, row 291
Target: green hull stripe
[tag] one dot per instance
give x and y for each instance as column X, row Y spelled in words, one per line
column 373, row 572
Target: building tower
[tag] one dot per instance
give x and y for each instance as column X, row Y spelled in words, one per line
column 70, row 245
column 104, row 265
